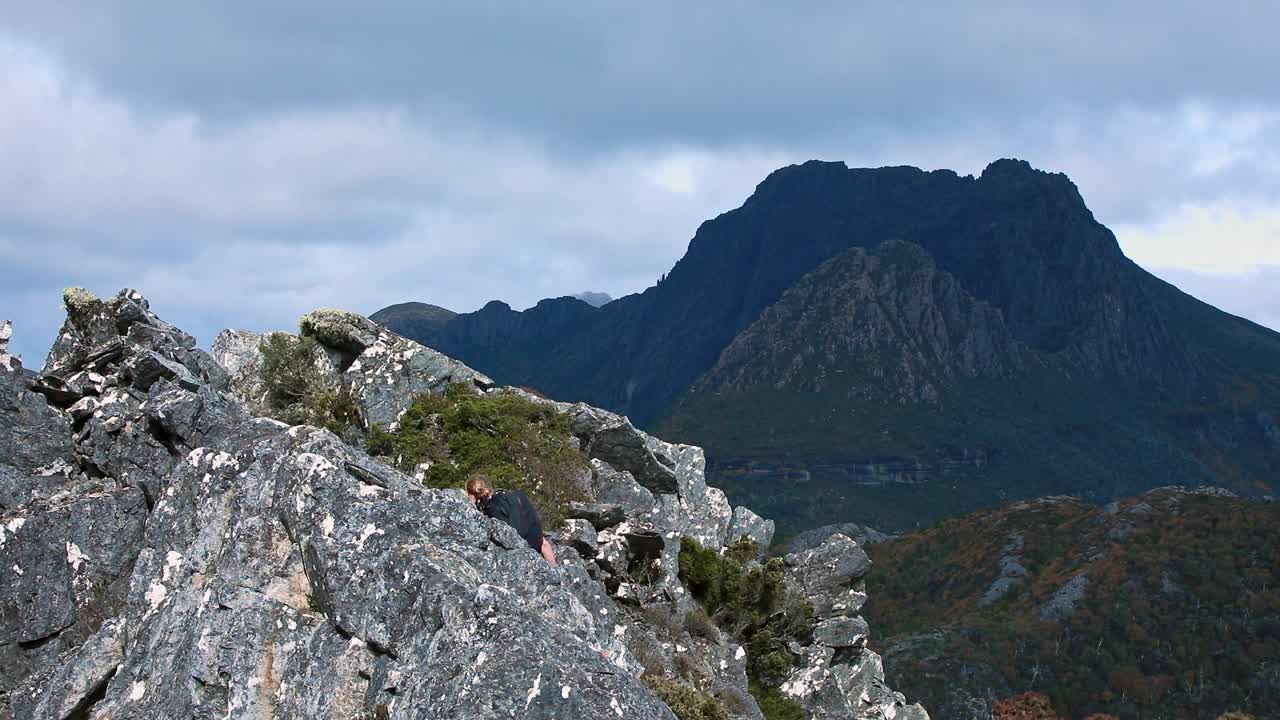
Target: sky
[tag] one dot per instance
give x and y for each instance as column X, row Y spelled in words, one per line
column 241, row 163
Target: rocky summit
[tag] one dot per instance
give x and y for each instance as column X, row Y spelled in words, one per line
column 167, row 551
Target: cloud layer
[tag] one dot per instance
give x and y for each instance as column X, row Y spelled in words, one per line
column 241, row 166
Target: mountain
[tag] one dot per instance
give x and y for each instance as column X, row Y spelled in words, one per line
column 415, row 318
column 1165, row 604
column 168, row 549
column 594, row 299
column 1014, row 351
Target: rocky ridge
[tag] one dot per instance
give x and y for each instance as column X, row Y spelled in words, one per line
column 166, row 552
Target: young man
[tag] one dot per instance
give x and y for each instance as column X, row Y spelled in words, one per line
column 513, row 508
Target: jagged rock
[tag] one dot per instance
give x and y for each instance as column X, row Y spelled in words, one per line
column 97, row 333
column 18, row 488
column 611, row 486
column 830, row 576
column 34, row 438
column 602, row 516
column 392, row 371
column 383, row 371
column 841, row 632
column 847, row 688
column 613, row 439
column 340, row 329
column 178, row 557
column 612, row 554
column 63, row 567
column 71, row 687
column 6, row 332
column 145, row 368
column 704, row 512
column 235, row 350
column 746, row 523
column 239, row 352
column 643, row 543
column 580, row 535
column 810, row 539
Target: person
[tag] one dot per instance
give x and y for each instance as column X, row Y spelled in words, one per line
column 514, row 508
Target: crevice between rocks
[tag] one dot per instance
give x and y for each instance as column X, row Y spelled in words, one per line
column 97, row 694
column 167, row 439
column 42, row 641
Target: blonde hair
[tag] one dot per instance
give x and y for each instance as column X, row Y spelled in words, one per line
column 479, row 486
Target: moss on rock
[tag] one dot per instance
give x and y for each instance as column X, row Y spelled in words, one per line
column 78, row 300
column 339, row 329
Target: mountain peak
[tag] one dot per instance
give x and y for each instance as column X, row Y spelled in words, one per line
column 495, row 306
column 809, row 175
column 594, row 298
column 1009, row 167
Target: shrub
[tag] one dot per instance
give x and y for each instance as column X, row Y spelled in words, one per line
column 298, row 393
column 749, row 601
column 776, row 706
column 518, row 443
column 686, row 702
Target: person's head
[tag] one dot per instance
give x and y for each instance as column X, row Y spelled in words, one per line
column 479, row 488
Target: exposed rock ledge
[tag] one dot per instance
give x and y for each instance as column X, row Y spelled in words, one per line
column 164, row 553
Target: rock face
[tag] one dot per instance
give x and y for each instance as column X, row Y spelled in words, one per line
column 382, row 370
column 810, row 539
column 165, row 553
column 840, row 677
column 888, row 314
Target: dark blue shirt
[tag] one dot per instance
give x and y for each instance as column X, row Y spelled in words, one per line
column 514, row 508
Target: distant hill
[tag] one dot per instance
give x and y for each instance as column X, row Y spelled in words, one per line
column 891, row 346
column 594, row 299
column 414, row 318
column 1166, row 604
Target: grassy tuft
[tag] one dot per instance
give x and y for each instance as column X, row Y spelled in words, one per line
column 518, row 443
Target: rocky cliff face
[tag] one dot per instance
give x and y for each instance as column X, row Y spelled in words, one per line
column 870, row 328
column 166, row 553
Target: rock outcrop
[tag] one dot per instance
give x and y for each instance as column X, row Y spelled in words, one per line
column 165, row 552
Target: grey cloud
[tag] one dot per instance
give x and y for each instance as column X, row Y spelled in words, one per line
column 253, row 224
column 243, row 162
column 712, row 73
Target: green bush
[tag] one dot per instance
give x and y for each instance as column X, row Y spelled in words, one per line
column 518, row 443
column 749, row 601
column 776, row 706
column 297, row 392
column 686, row 702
